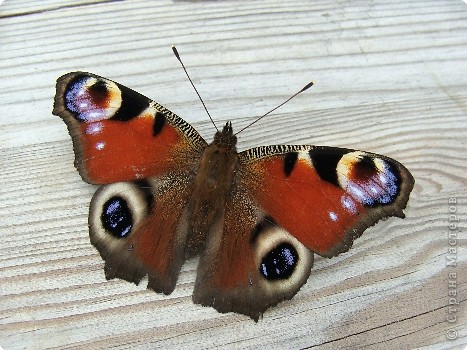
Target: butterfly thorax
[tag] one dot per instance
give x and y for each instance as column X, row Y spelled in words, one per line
column 213, row 183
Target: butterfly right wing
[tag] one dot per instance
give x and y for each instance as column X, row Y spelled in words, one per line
column 286, row 203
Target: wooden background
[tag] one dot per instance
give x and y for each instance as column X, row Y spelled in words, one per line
column 391, row 78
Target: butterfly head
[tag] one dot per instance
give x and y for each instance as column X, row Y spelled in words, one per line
column 226, row 138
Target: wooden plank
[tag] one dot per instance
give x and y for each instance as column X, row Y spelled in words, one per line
column 390, row 78
column 19, row 8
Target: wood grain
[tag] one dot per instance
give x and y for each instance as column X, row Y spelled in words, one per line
column 389, row 78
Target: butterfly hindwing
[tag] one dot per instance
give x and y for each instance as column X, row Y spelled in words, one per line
column 119, row 134
column 249, row 263
column 140, row 228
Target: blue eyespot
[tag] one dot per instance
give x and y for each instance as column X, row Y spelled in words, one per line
column 280, row 262
column 116, row 217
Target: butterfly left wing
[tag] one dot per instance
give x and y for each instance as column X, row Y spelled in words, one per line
column 287, row 202
column 147, row 157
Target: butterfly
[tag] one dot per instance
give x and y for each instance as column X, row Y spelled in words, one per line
column 256, row 217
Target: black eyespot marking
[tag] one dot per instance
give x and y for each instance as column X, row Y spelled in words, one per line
column 133, row 104
column 99, row 92
column 265, row 223
column 279, row 263
column 364, row 169
column 116, row 217
column 325, row 163
column 159, row 122
column 379, row 187
column 289, row 162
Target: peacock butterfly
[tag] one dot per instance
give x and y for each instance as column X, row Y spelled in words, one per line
column 255, row 217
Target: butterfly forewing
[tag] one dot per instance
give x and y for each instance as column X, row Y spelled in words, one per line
column 121, row 135
column 324, row 196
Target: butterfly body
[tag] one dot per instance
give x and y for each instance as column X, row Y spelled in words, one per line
column 212, row 184
column 255, row 217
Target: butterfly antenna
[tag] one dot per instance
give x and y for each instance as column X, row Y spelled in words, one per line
column 307, row 86
column 174, row 49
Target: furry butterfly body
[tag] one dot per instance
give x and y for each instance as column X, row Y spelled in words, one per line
column 255, row 217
